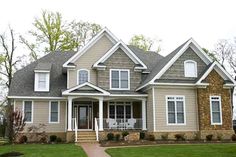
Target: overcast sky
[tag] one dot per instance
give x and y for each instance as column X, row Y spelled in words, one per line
column 172, row 21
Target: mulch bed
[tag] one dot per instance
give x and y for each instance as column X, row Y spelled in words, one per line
column 11, row 154
column 156, row 142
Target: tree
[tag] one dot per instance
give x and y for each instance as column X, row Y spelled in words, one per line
column 209, row 53
column 18, row 121
column 144, row 43
column 51, row 33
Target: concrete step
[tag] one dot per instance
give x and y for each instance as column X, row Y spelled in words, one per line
column 87, row 141
column 86, row 138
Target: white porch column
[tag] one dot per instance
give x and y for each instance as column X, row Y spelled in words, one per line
column 144, row 124
column 69, row 113
column 101, row 114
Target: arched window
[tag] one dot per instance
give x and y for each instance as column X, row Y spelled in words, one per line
column 83, row 76
column 190, row 68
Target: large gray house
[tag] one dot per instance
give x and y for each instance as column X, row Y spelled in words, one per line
column 110, row 86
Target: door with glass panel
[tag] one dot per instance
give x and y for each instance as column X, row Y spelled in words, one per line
column 84, row 116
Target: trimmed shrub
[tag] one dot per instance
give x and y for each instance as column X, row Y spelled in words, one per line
column 117, row 137
column 164, row 137
column 197, row 136
column 58, row 140
column 43, row 140
column 151, row 137
column 219, row 136
column 53, row 138
column 125, row 133
column 179, row 137
column 23, row 139
column 233, row 137
column 110, row 136
column 142, row 135
column 209, row 137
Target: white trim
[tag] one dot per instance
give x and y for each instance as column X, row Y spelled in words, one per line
column 78, row 75
column 42, row 71
column 195, row 68
column 206, row 73
column 119, row 70
column 58, row 116
column 129, row 53
column 36, row 81
column 32, row 111
column 35, row 97
column 167, row 116
column 154, row 109
column 67, row 92
column 219, row 100
column 127, row 95
column 14, row 105
column 90, row 44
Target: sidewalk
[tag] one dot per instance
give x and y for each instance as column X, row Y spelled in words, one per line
column 94, row 150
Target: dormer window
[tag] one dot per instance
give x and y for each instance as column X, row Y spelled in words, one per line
column 41, row 81
column 83, row 76
column 190, row 68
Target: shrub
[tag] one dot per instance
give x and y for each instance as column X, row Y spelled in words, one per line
column 110, row 136
column 209, row 137
column 125, row 133
column 179, row 137
column 53, row 138
column 117, row 137
column 233, row 137
column 58, row 140
column 43, row 140
column 142, row 135
column 164, row 136
column 151, row 137
column 23, row 139
column 197, row 136
column 219, row 136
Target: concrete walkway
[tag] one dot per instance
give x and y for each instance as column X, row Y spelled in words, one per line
column 94, row 150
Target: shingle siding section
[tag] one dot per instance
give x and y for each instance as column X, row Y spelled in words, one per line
column 176, row 71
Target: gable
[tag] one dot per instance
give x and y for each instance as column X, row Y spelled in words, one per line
column 176, row 71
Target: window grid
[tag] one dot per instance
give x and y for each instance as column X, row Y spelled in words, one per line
column 119, row 79
column 216, row 112
column 54, row 112
column 28, row 111
column 83, row 76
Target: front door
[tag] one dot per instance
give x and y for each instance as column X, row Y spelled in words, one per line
column 84, row 117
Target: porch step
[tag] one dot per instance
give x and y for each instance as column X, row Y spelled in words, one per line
column 86, row 136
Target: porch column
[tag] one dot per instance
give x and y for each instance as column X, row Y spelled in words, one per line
column 69, row 117
column 144, row 124
column 101, row 114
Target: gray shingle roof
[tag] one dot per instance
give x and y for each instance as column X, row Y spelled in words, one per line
column 23, row 80
column 43, row 66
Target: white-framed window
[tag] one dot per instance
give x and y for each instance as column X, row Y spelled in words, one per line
column 190, row 68
column 175, row 110
column 54, row 112
column 41, row 81
column 216, row 111
column 119, row 79
column 28, row 111
column 120, row 110
column 83, row 76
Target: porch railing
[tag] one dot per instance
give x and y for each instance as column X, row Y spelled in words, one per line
column 122, row 124
column 75, row 128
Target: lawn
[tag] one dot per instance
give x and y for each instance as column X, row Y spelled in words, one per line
column 204, row 150
column 45, row 150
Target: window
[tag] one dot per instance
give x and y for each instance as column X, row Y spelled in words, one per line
column 216, row 114
column 190, row 68
column 175, row 110
column 119, row 79
column 54, row 109
column 120, row 110
column 28, row 111
column 41, row 81
column 83, row 76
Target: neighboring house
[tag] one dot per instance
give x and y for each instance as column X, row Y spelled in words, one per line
column 125, row 88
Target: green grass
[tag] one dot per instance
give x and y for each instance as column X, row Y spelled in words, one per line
column 45, row 150
column 204, row 150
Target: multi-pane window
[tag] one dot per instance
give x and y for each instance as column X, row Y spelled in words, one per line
column 120, row 110
column 54, row 112
column 119, row 79
column 28, row 113
column 41, row 81
column 216, row 115
column 190, row 68
column 83, row 76
column 175, row 110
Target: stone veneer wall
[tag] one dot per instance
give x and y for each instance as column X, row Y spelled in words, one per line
column 203, row 95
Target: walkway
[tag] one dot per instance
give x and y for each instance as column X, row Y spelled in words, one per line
column 94, row 150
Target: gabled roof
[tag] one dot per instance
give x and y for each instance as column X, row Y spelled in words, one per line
column 162, row 66
column 105, row 31
column 128, row 52
column 220, row 70
column 85, row 89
